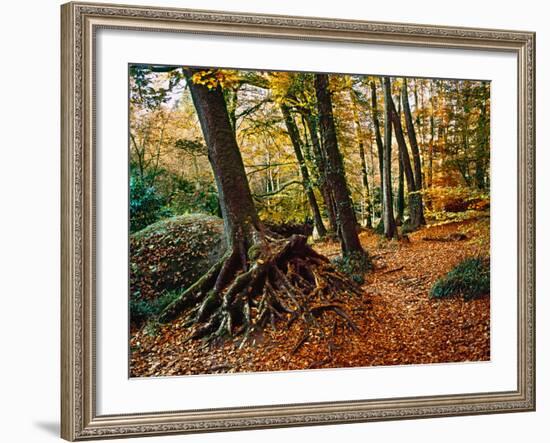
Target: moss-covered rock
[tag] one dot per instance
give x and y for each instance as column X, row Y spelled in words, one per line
column 172, row 254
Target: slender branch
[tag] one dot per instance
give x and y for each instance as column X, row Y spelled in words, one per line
column 283, row 186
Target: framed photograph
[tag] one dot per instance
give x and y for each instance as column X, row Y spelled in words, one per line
column 282, row 221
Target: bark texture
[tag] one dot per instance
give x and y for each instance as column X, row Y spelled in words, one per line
column 375, row 118
column 390, row 228
column 413, row 196
column 414, row 149
column 335, row 170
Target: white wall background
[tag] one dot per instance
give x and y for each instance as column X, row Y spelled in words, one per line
column 29, row 220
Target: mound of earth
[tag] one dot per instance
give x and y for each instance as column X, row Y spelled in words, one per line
column 173, row 254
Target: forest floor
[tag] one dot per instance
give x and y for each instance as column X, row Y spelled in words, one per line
column 398, row 323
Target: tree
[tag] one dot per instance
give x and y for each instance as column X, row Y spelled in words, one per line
column 275, row 276
column 390, row 228
column 376, row 121
column 364, row 171
column 414, row 148
column 400, row 203
column 308, row 188
column 405, row 164
column 432, row 136
column 482, row 136
column 336, row 178
column 320, row 162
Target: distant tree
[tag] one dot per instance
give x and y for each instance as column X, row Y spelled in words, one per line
column 361, row 145
column 295, row 138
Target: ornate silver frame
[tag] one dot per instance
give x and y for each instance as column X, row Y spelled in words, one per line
column 79, row 420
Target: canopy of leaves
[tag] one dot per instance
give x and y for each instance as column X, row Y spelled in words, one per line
column 451, row 118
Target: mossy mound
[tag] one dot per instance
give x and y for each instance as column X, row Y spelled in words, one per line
column 170, row 255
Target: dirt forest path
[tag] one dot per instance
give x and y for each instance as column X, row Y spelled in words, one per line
column 398, row 323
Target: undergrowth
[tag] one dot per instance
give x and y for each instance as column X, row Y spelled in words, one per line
column 355, row 265
column 145, row 309
column 469, row 279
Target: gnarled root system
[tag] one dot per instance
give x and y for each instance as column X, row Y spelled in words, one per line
column 284, row 281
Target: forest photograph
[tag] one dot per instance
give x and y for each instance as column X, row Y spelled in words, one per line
column 297, row 220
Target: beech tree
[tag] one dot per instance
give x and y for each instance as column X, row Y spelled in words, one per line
column 390, row 228
column 400, row 203
column 415, row 151
column 482, row 137
column 415, row 219
column 295, row 138
column 364, row 171
column 345, row 215
column 259, row 270
column 321, row 163
column 376, row 121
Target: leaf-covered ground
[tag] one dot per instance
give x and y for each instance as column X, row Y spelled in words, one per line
column 397, row 320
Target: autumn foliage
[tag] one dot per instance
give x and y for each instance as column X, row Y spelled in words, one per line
column 289, row 220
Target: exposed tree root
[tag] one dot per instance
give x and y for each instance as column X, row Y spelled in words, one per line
column 282, row 281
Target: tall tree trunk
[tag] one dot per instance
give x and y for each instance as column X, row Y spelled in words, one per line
column 308, row 188
column 239, row 214
column 401, row 182
column 414, row 209
column 335, row 170
column 430, row 172
column 432, row 138
column 379, row 143
column 364, row 170
column 242, row 225
column 414, row 147
column 482, row 144
column 365, row 182
column 390, row 229
column 307, row 145
column 400, row 205
column 320, row 162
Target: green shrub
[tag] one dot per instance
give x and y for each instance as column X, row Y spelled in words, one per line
column 187, row 197
column 355, row 265
column 147, row 205
column 469, row 279
column 143, row 310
